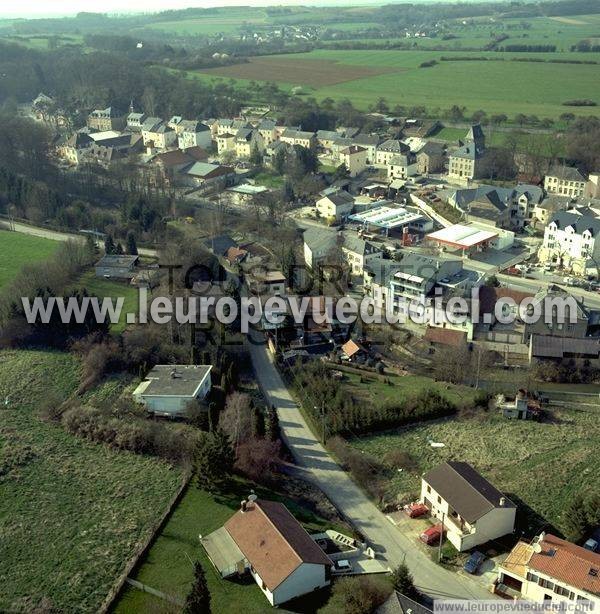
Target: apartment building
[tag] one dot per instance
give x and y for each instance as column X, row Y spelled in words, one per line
column 564, row 180
column 570, row 241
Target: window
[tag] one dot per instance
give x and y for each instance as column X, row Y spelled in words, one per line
column 532, row 577
column 439, row 499
column 546, row 583
column 559, row 590
column 428, row 488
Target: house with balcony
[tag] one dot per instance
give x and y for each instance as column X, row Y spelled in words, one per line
column 407, row 286
column 552, row 571
column 472, row 509
column 570, row 241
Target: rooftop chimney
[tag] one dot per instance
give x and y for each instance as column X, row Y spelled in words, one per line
column 502, row 501
column 243, row 506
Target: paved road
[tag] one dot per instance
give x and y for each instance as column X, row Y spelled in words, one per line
column 393, row 545
column 55, row 235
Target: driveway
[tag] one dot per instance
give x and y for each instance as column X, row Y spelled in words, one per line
column 389, row 542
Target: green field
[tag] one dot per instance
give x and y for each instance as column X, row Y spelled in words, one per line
column 18, row 249
column 542, row 464
column 71, row 512
column 531, row 88
column 214, row 22
column 106, row 288
column 43, row 43
column 399, row 388
column 168, row 568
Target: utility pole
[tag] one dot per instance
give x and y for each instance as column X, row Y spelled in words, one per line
column 441, row 540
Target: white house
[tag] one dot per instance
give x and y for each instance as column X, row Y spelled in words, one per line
column 336, row 206
column 570, row 240
column 402, row 166
column 550, row 570
column 321, row 245
column 390, row 149
column 168, row 389
column 473, row 510
column 193, row 134
column 298, row 137
column 266, row 540
column 564, row 180
column 157, row 134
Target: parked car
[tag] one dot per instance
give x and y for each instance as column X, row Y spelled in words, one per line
column 414, row 510
column 474, row 562
column 432, row 535
column 591, row 544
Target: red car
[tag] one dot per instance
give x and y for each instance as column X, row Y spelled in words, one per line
column 432, row 535
column 414, row 510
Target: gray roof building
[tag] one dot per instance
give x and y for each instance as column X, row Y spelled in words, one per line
column 562, row 219
column 466, row 490
column 393, row 146
column 567, row 173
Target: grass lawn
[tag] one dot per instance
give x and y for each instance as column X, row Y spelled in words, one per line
column 374, row 391
column 71, row 512
column 107, row 288
column 200, row 513
column 17, row 249
column 269, row 179
column 541, row 464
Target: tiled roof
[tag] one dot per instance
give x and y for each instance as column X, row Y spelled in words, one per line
column 568, row 563
column 446, row 336
column 273, row 541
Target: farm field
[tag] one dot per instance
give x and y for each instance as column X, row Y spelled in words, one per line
column 106, row 288
column 517, row 456
column 527, row 87
column 215, row 21
column 312, row 72
column 71, row 512
column 18, row 249
column 200, row 513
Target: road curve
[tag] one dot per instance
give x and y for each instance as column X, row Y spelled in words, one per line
column 391, row 544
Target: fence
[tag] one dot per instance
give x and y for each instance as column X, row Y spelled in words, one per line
column 153, row 591
column 142, row 549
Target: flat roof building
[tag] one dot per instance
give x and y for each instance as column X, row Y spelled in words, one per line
column 168, row 389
